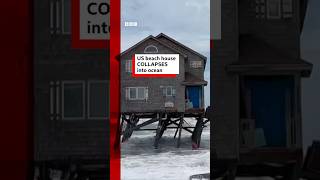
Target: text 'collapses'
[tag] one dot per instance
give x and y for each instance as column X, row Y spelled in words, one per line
column 96, row 9
column 156, row 64
column 94, row 19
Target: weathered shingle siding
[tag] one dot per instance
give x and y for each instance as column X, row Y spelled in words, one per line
column 238, row 18
column 75, row 140
column 55, row 60
column 225, row 89
column 198, row 72
column 283, row 34
column 156, row 100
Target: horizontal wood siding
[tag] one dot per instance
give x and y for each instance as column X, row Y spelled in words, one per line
column 55, row 60
column 224, row 86
column 156, row 100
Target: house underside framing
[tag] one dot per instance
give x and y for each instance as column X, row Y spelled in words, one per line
column 130, row 122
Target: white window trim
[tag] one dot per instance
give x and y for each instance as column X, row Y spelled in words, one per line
column 57, row 17
column 171, row 87
column 83, row 97
column 51, row 17
column 290, row 5
column 88, row 99
column 57, row 99
column 137, row 99
column 52, row 101
column 128, row 70
column 260, row 10
column 63, row 19
column 279, row 10
column 145, row 49
column 287, row 13
column 196, row 64
column 173, row 91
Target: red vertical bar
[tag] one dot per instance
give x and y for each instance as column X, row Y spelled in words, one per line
column 114, row 89
column 16, row 89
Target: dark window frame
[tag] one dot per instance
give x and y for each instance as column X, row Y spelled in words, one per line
column 262, row 10
column 89, row 83
column 63, row 84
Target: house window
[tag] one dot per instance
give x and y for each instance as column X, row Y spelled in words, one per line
column 169, row 91
column 133, row 93
column 129, row 66
column 55, row 12
column 137, row 93
column 141, row 93
column 60, row 16
column 79, row 100
column 73, row 96
column 151, row 49
column 273, row 9
column 196, row 64
column 287, row 8
column 66, row 16
column 98, row 93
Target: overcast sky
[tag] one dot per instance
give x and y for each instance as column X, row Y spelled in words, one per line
column 310, row 51
column 310, row 36
column 187, row 21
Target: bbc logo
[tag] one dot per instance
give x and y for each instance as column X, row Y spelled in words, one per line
column 130, row 23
